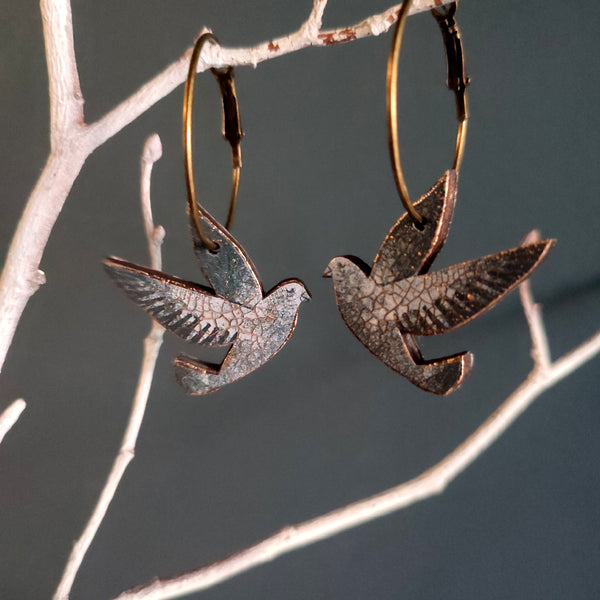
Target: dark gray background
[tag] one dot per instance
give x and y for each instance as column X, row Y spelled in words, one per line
column 324, row 423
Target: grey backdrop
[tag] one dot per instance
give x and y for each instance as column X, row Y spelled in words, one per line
column 324, row 423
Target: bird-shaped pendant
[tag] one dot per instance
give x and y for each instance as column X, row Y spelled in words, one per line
column 397, row 299
column 235, row 312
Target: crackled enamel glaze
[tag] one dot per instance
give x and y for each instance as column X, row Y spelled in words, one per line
column 236, row 312
column 397, row 300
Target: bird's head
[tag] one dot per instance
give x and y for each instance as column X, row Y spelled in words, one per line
column 294, row 292
column 340, row 267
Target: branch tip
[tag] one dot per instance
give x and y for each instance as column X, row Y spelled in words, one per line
column 531, row 238
column 152, row 149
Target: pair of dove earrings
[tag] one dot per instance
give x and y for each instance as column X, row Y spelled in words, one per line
column 384, row 306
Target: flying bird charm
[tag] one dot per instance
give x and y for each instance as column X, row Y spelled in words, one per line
column 397, row 299
column 236, row 312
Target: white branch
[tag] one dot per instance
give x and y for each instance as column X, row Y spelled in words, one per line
column 152, row 152
column 10, row 415
column 309, row 34
column 154, row 235
column 72, row 141
column 66, row 100
column 540, row 349
column 431, row 482
column 21, row 276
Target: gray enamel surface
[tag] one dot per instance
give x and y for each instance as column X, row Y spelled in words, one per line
column 229, row 269
column 238, row 314
column 263, row 332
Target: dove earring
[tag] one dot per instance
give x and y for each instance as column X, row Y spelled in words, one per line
column 235, row 312
column 386, row 307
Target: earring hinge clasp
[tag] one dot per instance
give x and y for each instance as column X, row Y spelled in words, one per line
column 232, row 131
column 232, row 125
column 456, row 80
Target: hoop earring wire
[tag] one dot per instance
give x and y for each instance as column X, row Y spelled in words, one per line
column 232, row 131
column 456, row 81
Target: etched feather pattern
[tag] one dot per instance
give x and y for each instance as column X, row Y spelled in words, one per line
column 183, row 307
column 443, row 300
column 264, row 332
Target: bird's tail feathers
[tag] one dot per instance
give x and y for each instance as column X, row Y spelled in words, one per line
column 195, row 376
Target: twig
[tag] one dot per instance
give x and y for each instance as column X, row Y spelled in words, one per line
column 72, row 141
column 431, row 482
column 315, row 18
column 152, row 152
column 308, row 35
column 66, row 100
column 10, row 415
column 154, row 235
column 540, row 349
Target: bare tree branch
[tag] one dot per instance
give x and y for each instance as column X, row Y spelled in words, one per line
column 66, row 100
column 10, row 415
column 21, row 276
column 309, row 35
column 152, row 152
column 540, row 349
column 431, row 482
column 154, row 235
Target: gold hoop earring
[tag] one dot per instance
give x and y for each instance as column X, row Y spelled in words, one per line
column 456, row 81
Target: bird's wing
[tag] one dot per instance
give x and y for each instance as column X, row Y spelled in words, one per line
column 183, row 307
column 229, row 269
column 407, row 250
column 446, row 299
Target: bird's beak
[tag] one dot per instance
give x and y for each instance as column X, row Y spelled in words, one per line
column 327, row 272
column 305, row 296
